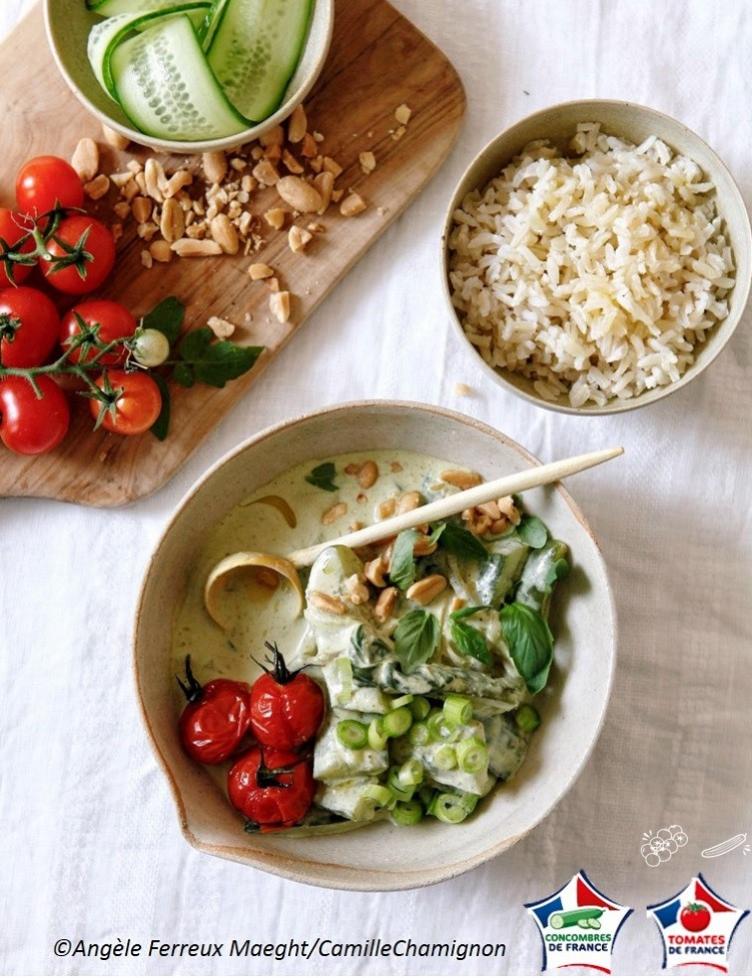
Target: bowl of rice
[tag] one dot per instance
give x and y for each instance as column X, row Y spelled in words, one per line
column 597, row 257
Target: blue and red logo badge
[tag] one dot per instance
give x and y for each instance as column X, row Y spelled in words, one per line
column 578, row 926
column 696, row 926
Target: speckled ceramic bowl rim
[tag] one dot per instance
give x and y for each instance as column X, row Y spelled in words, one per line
column 295, row 868
column 614, row 406
column 206, row 146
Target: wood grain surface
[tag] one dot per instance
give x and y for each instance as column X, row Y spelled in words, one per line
column 378, row 60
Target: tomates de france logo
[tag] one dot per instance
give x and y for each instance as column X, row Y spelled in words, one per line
column 578, row 926
column 696, row 926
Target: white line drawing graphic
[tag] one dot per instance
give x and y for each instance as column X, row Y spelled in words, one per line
column 729, row 845
column 658, row 847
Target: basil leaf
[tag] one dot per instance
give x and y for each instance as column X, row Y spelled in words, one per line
column 161, row 426
column 214, row 363
column 323, row 477
column 461, row 542
column 167, row 317
column 183, row 375
column 534, row 532
column 470, row 641
column 416, row 638
column 530, row 643
column 402, row 564
column 437, row 532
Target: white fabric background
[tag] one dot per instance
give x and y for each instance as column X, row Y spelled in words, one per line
column 90, row 845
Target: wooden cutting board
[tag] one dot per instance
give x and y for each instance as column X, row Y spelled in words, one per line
column 378, row 60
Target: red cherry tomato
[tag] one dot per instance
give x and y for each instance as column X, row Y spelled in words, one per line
column 286, row 707
column 29, row 326
column 12, row 230
column 114, row 321
column 136, row 398
column 695, row 917
column 47, row 182
column 84, row 255
column 31, row 425
column 216, row 718
column 271, row 787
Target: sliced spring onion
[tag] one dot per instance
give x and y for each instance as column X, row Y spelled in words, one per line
column 445, row 758
column 528, row 718
column 426, row 794
column 472, row 755
column 376, row 736
column 419, row 735
column 344, row 673
column 398, row 722
column 401, row 792
column 420, row 707
column 470, row 801
column 448, row 808
column 379, row 794
column 352, row 734
column 438, row 727
column 411, row 773
column 407, row 812
column 405, row 700
column 458, row 709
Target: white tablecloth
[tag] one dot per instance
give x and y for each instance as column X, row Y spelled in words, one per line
column 90, row 845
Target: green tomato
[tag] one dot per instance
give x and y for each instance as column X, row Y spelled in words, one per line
column 151, row 348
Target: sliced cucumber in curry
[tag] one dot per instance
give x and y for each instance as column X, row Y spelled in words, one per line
column 166, row 88
column 255, row 49
column 107, row 35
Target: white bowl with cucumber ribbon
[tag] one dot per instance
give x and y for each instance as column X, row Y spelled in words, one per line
column 190, row 75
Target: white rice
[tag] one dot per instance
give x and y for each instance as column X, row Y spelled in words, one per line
column 595, row 275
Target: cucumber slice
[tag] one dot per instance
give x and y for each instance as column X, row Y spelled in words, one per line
column 111, row 8
column 105, row 37
column 256, row 49
column 166, row 88
column 211, row 22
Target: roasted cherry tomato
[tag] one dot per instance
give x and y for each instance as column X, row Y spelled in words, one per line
column 12, row 230
column 47, row 182
column 30, row 425
column 135, row 399
column 695, row 917
column 286, row 707
column 29, row 326
column 83, row 251
column 271, row 787
column 216, row 718
column 115, row 322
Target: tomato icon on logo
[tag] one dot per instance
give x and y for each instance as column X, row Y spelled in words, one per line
column 695, row 917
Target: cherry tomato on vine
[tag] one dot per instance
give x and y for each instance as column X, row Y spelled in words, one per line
column 216, row 718
column 115, row 322
column 83, row 251
column 286, row 707
column 29, row 326
column 31, row 425
column 271, row 787
column 47, row 182
column 12, row 230
column 135, row 398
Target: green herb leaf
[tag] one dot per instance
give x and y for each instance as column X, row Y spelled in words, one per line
column 557, row 571
column 437, row 532
column 214, row 363
column 468, row 639
column 416, row 638
column 323, row 477
column 530, row 643
column 534, row 532
column 167, row 317
column 183, row 375
column 161, row 426
column 462, row 543
column 402, row 564
column 468, row 611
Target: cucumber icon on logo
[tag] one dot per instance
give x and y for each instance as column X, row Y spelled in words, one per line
column 588, row 918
